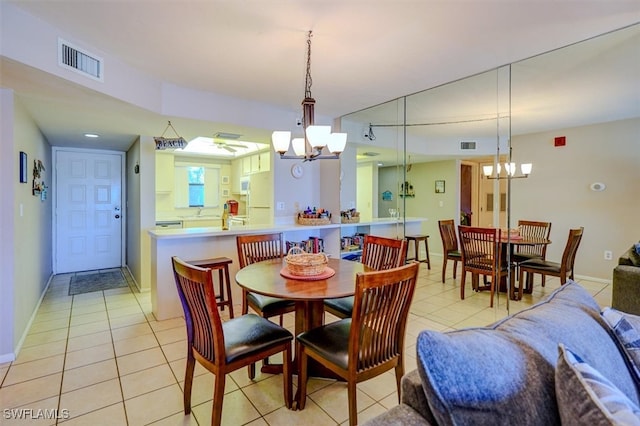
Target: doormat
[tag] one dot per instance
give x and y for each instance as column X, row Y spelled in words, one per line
column 87, row 283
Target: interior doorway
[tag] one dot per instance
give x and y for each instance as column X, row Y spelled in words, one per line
column 88, row 212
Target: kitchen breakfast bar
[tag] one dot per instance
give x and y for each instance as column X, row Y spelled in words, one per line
column 201, row 243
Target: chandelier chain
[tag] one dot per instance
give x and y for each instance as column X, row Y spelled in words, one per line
column 308, row 81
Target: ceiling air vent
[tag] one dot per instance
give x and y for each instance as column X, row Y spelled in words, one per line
column 468, row 145
column 80, row 61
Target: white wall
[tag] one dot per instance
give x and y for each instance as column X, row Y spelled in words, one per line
column 558, row 190
column 27, row 247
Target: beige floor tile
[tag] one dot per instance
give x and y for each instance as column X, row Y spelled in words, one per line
column 107, row 416
column 27, row 392
column 88, row 340
column 131, row 331
column 381, row 386
column 54, row 315
column 88, row 309
column 89, row 356
column 170, row 323
column 145, row 381
column 44, row 412
column 88, row 318
column 121, row 312
column 177, row 420
column 172, row 335
column 266, row 395
column 91, row 398
column 312, row 415
column 236, row 410
column 140, row 343
column 93, row 327
column 202, row 387
column 179, row 366
column 34, row 369
column 46, row 350
column 153, row 406
column 137, row 361
column 89, row 375
column 333, row 400
column 44, row 326
column 127, row 320
column 54, row 306
column 176, row 350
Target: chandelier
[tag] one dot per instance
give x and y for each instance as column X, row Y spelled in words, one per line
column 317, row 139
column 510, row 170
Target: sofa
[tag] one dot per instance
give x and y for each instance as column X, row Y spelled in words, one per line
column 626, row 282
column 539, row 366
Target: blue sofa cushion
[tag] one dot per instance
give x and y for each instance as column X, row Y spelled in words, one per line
column 503, row 372
column 585, row 397
column 626, row 329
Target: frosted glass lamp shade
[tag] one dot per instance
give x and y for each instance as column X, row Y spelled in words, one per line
column 526, row 168
column 487, row 170
column 280, row 141
column 318, row 136
column 298, row 146
column 337, row 142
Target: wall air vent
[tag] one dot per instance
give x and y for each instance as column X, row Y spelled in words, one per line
column 468, row 145
column 79, row 61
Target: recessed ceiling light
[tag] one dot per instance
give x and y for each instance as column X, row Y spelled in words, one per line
column 91, row 135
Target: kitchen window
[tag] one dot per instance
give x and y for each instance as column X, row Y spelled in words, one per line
column 196, row 186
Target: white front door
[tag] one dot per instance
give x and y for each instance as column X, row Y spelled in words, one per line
column 88, row 211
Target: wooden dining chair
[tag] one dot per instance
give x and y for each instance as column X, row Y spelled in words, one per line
column 371, row 341
column 562, row 269
column 256, row 248
column 224, row 347
column 532, row 230
column 378, row 253
column 450, row 249
column 482, row 255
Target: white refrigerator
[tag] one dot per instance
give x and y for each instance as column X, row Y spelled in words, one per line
column 260, row 199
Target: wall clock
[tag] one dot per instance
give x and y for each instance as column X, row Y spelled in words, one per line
column 297, row 171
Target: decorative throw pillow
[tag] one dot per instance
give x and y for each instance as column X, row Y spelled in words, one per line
column 585, row 397
column 626, row 328
column 634, row 254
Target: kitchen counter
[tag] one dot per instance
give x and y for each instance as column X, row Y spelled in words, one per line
column 208, row 242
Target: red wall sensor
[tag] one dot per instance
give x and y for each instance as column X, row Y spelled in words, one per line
column 560, row 141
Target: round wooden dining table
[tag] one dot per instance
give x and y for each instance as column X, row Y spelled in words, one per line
column 308, row 293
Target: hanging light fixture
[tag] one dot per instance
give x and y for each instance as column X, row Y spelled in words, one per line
column 316, row 138
column 510, row 171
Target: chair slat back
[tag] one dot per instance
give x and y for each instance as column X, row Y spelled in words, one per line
column 380, row 311
column 480, row 248
column 256, row 248
column 204, row 327
column 382, row 253
column 534, row 230
column 571, row 249
column 448, row 235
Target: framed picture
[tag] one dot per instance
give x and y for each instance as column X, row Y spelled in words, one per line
column 23, row 167
column 225, row 180
column 439, row 187
column 225, row 192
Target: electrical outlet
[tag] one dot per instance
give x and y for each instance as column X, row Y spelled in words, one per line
column 280, row 205
column 608, row 255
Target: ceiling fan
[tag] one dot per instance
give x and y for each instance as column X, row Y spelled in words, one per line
column 227, row 145
column 220, row 140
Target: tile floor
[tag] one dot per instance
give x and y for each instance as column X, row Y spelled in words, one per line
column 102, row 359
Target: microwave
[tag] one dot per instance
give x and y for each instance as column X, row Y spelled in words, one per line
column 244, row 185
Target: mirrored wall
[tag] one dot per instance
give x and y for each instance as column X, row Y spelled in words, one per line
column 573, row 113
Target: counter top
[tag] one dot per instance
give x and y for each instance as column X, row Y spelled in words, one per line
column 164, row 233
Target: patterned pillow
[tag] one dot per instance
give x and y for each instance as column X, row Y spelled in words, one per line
column 626, row 328
column 585, row 397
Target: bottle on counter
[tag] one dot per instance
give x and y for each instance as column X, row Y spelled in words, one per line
column 225, row 217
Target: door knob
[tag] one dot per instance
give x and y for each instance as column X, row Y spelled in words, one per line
column 117, row 216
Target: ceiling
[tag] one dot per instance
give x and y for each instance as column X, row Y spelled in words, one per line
column 364, row 53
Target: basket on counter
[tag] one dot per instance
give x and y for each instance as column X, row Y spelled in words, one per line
column 305, row 264
column 350, row 219
column 313, row 221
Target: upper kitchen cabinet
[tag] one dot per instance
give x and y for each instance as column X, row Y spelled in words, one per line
column 260, row 162
column 164, row 173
